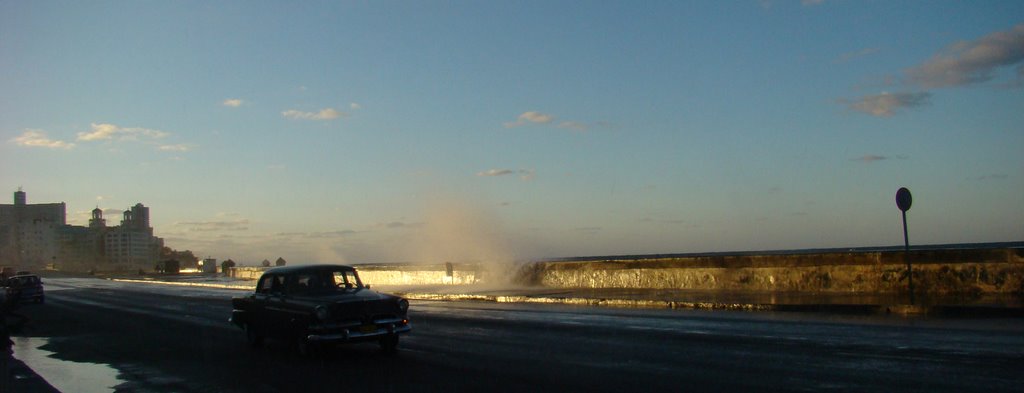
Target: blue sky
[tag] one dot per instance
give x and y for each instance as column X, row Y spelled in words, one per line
column 430, row 131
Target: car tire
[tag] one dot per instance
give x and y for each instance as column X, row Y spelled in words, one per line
column 252, row 336
column 389, row 344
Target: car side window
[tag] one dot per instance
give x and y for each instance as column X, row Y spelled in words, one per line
column 271, row 284
column 265, row 283
column 302, row 283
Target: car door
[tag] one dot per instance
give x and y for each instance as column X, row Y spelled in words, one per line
column 272, row 304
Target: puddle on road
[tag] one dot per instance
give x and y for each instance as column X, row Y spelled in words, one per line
column 65, row 376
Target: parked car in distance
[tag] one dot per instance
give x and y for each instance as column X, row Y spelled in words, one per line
column 317, row 306
column 25, row 288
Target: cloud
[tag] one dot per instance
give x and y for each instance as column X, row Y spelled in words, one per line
column 178, row 147
column 209, row 226
column 524, row 174
column 887, row 104
column 496, row 172
column 233, row 102
column 38, row 138
column 324, row 114
column 331, row 234
column 965, row 63
column 527, row 174
column 355, row 106
column 662, row 221
column 997, row 176
column 871, row 158
column 573, row 125
column 1019, row 82
column 107, row 131
column 530, row 118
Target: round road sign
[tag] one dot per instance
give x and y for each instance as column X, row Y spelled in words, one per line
column 903, row 199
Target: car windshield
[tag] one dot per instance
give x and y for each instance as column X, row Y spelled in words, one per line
column 326, row 281
column 23, row 281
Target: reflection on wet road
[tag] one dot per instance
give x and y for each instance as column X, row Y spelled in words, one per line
column 63, row 375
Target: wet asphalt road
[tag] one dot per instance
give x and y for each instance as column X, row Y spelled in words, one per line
column 173, row 339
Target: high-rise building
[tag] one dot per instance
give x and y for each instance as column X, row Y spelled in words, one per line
column 28, row 233
column 34, row 236
column 132, row 243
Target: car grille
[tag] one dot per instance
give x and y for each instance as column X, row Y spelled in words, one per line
column 364, row 312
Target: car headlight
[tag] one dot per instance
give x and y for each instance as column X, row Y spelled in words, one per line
column 403, row 305
column 322, row 313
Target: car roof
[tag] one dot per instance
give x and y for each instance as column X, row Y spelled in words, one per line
column 307, row 268
column 22, row 275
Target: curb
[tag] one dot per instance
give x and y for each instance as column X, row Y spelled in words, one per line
column 856, row 309
column 597, row 302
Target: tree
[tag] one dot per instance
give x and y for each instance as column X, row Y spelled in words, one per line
column 226, row 265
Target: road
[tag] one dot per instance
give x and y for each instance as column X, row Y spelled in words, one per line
column 164, row 339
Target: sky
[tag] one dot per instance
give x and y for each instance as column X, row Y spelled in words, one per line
column 431, row 131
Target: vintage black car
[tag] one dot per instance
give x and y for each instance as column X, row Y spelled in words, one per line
column 25, row 288
column 315, row 306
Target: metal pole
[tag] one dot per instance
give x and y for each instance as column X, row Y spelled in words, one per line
column 906, row 257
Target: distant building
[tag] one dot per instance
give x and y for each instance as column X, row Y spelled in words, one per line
column 209, row 265
column 34, row 236
column 132, row 243
column 28, row 233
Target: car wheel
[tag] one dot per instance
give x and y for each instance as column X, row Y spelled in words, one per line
column 252, row 337
column 389, row 344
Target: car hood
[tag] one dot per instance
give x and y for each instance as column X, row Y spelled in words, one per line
column 359, row 295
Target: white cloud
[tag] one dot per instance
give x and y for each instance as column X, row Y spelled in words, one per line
column 887, row 104
column 496, row 172
column 524, row 174
column 573, row 125
column 38, row 138
column 324, row 114
column 178, row 147
column 233, row 102
column 528, row 118
column 972, row 62
column 355, row 106
column 107, row 131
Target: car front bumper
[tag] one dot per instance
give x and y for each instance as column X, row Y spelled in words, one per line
column 356, row 332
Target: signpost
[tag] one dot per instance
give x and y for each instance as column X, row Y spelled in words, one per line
column 903, row 202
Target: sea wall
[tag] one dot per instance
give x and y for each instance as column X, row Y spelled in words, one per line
column 935, row 271
column 962, row 272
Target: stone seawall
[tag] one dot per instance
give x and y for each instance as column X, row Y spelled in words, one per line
column 959, row 272
column 971, row 271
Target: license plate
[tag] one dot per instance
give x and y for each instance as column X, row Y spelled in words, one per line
column 368, row 328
